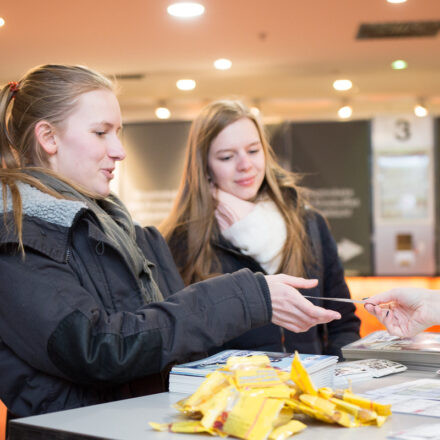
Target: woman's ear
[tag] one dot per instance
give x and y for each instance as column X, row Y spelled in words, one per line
column 45, row 134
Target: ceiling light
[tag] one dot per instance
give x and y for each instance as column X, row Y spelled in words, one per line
column 420, row 110
column 186, row 84
column 396, row 1
column 162, row 113
column 2, row 21
column 342, row 84
column 222, row 64
column 186, row 9
column 399, row 64
column 345, row 112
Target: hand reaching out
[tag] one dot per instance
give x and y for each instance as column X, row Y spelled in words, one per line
column 410, row 310
column 290, row 309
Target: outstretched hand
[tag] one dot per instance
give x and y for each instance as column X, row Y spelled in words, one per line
column 406, row 311
column 290, row 309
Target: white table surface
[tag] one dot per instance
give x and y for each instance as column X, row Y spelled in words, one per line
column 128, row 419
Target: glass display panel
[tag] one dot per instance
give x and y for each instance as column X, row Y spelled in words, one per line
column 403, row 183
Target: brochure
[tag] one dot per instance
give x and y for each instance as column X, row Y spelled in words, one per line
column 186, row 378
column 420, row 352
column 347, row 373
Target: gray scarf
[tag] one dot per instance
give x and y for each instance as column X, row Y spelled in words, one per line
column 117, row 225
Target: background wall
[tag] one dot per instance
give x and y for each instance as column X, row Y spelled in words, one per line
column 335, row 158
column 150, row 174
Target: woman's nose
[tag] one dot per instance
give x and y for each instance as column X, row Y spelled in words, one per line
column 244, row 162
column 116, row 150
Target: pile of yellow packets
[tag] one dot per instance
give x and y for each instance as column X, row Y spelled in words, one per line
column 249, row 399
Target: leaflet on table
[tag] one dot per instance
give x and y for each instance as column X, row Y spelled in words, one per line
column 420, row 432
column 369, row 368
column 421, row 388
column 419, row 397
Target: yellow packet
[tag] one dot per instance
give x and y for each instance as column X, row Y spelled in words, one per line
column 283, row 375
column 381, row 420
column 363, row 414
column 252, row 417
column 329, row 409
column 318, row 403
column 281, row 391
column 381, row 409
column 300, row 376
column 345, row 419
column 285, row 431
column 259, row 360
column 221, row 402
column 213, row 383
column 285, row 415
column 256, row 378
column 308, row 411
column 187, row 426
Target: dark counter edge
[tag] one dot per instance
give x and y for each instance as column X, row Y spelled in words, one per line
column 19, row 431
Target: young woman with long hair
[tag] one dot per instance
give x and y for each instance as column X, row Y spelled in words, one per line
column 237, row 208
column 92, row 306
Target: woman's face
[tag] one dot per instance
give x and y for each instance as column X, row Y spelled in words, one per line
column 88, row 144
column 236, row 159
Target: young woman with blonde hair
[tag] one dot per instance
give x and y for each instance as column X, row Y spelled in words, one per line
column 237, row 208
column 92, row 306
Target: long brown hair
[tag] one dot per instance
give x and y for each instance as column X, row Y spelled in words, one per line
column 192, row 219
column 50, row 93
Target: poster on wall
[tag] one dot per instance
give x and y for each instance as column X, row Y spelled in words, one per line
column 334, row 158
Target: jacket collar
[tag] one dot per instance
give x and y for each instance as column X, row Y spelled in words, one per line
column 46, row 221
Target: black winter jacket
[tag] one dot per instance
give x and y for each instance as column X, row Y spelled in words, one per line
column 328, row 270
column 74, row 330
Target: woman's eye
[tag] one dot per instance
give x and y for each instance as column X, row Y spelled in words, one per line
column 254, row 151
column 224, row 158
column 100, row 133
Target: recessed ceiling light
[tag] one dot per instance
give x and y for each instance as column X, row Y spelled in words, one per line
column 420, row 110
column 399, row 64
column 2, row 21
column 186, row 9
column 186, row 84
column 222, row 64
column 162, row 113
column 396, row 1
column 345, row 112
column 342, row 84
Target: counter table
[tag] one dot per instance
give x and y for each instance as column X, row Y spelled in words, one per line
column 128, row 419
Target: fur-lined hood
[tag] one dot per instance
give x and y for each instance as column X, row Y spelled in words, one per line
column 46, row 221
column 37, row 204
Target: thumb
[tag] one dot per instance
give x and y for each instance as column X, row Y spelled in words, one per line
column 381, row 298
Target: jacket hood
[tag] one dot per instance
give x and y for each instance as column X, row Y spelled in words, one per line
column 43, row 206
column 46, row 221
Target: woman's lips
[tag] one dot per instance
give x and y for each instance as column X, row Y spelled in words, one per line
column 246, row 182
column 108, row 173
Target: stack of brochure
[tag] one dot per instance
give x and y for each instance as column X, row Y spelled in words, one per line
column 348, row 373
column 422, row 352
column 186, row 378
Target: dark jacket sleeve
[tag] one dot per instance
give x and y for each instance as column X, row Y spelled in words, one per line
column 346, row 329
column 52, row 323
